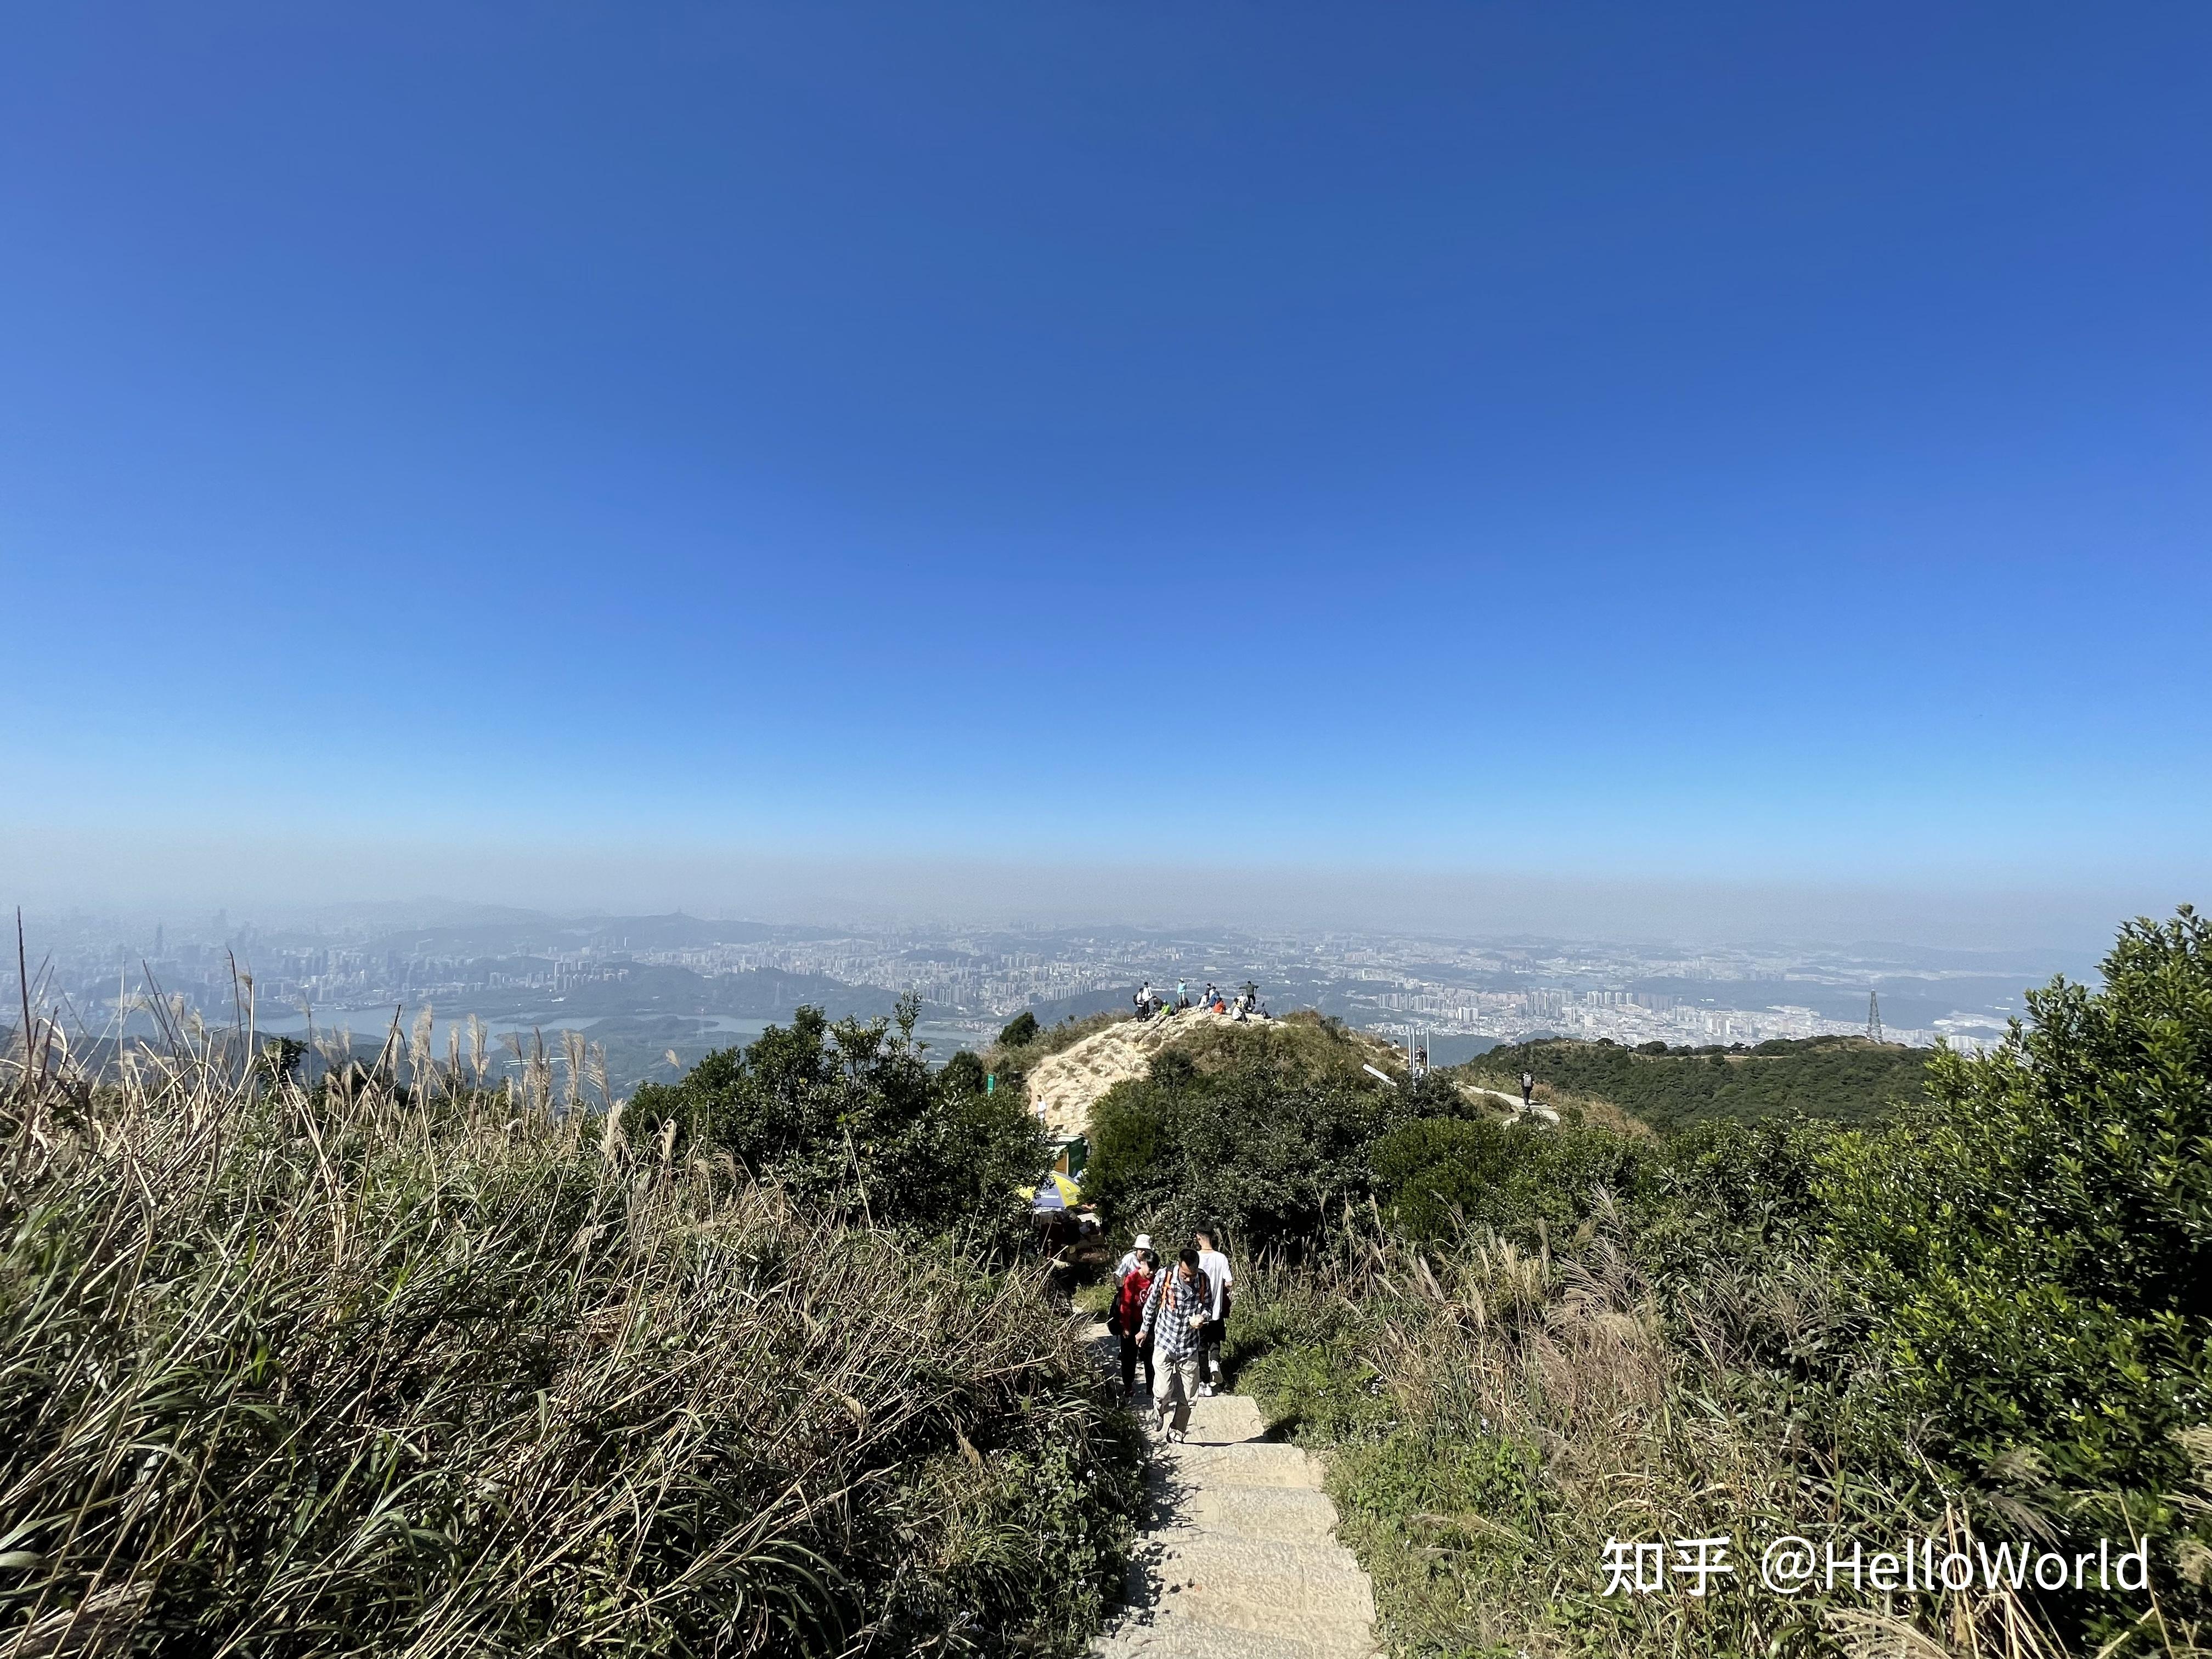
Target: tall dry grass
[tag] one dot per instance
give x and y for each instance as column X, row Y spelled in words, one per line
column 1495, row 1415
column 400, row 1365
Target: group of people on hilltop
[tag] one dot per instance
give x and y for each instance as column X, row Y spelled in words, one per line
column 1244, row 1006
column 1150, row 1002
column 1171, row 1322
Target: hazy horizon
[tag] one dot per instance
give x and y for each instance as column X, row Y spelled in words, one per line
column 260, row 883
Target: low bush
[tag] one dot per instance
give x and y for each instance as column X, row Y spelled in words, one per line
column 1263, row 1130
column 2034, row 1243
column 849, row 1117
column 1301, row 1351
column 1437, row 1177
column 1260, row 1154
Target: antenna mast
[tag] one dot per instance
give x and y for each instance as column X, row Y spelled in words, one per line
column 1874, row 1016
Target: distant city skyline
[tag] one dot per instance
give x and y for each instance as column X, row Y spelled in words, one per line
column 656, row 992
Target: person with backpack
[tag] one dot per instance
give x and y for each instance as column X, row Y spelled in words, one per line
column 1134, row 1290
column 1175, row 1320
column 1218, row 1278
column 1527, row 1089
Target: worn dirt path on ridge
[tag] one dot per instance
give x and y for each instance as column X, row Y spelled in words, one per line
column 1238, row 1557
column 1065, row 1085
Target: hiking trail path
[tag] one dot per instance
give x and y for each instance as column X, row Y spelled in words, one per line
column 1238, row 1556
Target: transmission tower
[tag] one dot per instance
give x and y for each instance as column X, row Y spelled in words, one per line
column 1874, row 1016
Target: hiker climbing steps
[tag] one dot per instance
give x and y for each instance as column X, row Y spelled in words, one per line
column 1238, row 1558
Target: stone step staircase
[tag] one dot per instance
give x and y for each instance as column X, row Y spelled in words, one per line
column 1238, row 1557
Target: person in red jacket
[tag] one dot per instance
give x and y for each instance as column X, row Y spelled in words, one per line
column 1136, row 1289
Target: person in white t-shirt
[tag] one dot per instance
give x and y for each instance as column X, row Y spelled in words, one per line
column 1127, row 1264
column 1215, row 1266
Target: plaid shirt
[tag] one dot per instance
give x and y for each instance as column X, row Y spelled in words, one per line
column 1179, row 1307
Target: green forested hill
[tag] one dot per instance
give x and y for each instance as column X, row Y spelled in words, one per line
column 1844, row 1078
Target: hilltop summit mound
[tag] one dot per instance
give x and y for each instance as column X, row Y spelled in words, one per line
column 1063, row 1086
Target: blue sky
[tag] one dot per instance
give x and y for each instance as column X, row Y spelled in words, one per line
column 1681, row 443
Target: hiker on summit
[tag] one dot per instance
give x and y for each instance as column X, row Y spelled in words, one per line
column 1218, row 1278
column 1527, row 1089
column 1175, row 1318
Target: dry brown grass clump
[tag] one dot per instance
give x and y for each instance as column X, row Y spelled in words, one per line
column 1050, row 1040
column 1592, row 1109
column 1497, row 1414
column 430, row 1370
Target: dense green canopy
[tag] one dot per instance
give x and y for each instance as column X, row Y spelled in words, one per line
column 849, row 1117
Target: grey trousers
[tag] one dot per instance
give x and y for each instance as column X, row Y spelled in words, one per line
column 1175, row 1382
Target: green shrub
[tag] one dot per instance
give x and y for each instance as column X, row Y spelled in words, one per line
column 1020, row 1030
column 1437, row 1176
column 2035, row 1245
column 1444, row 1525
column 1255, row 1148
column 1724, row 1193
column 1300, row 1352
column 963, row 1074
column 849, row 1118
column 1325, row 1391
column 1272, row 1132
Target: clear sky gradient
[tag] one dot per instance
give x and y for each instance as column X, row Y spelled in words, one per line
column 1696, row 443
